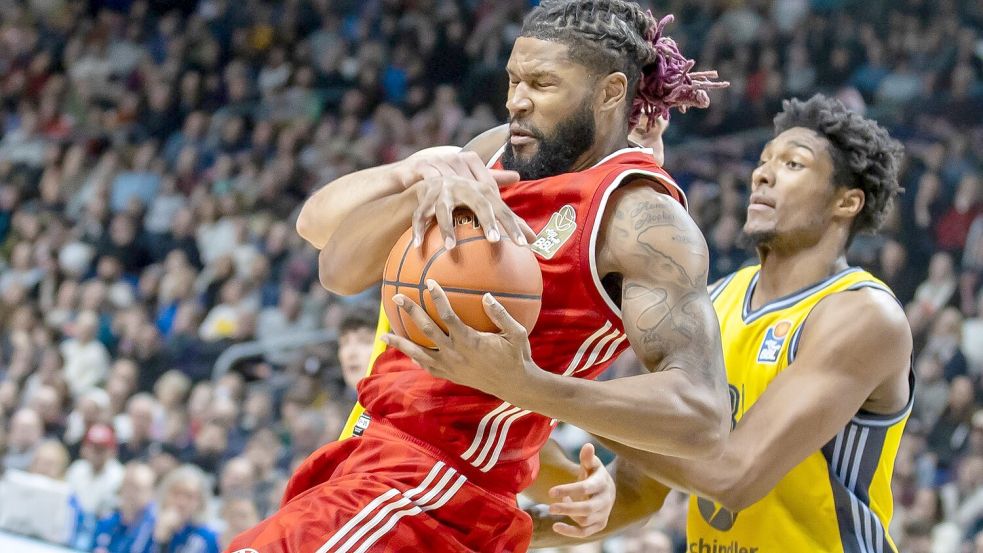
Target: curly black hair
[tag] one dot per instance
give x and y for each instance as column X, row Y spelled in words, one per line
column 864, row 154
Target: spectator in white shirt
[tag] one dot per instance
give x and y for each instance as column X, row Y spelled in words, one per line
column 97, row 476
column 86, row 358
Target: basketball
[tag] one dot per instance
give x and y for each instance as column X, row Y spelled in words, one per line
column 472, row 268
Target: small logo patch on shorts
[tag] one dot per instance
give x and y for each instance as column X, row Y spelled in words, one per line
column 360, row 425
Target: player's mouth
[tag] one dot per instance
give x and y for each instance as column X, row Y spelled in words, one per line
column 520, row 137
column 760, row 201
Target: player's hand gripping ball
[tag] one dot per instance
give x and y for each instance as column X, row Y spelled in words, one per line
column 467, row 272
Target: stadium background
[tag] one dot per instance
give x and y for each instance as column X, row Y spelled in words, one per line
column 154, row 155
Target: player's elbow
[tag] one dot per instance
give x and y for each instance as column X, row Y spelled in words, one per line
column 707, row 424
column 737, row 495
column 711, row 428
column 339, row 278
column 308, row 229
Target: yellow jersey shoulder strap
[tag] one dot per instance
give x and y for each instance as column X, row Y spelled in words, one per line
column 381, row 329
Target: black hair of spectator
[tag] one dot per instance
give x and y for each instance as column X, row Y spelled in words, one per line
column 864, row 154
column 357, row 319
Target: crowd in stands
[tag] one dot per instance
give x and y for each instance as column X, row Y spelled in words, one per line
column 154, row 155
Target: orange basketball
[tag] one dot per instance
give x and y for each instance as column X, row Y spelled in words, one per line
column 472, row 268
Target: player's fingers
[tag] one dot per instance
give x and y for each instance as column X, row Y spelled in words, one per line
column 574, row 489
column 565, row 529
column 424, row 212
column 483, row 210
column 588, row 460
column 504, row 178
column 418, row 354
column 479, row 171
column 444, row 210
column 503, row 320
column 511, row 223
column 586, row 509
column 445, row 311
column 422, row 320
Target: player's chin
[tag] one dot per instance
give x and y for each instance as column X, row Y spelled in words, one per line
column 525, row 151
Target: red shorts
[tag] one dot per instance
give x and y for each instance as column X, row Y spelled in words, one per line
column 386, row 491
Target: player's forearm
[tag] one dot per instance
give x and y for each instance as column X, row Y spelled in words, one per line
column 661, row 412
column 325, row 210
column 354, row 256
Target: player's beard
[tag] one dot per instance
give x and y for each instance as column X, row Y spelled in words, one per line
column 558, row 152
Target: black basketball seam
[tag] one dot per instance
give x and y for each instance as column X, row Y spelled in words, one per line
column 399, row 271
column 426, row 268
column 467, row 291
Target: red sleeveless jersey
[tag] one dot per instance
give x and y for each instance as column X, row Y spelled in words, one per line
column 579, row 332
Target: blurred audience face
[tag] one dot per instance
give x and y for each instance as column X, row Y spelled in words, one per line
column 26, row 430
column 354, row 352
column 137, row 489
column 50, row 459
column 240, row 515
column 238, row 478
column 142, row 409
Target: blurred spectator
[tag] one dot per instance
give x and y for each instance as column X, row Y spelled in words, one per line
column 86, row 358
column 239, row 515
column 138, row 428
column 131, row 526
column 96, row 477
column 356, row 338
column 179, row 527
column 23, row 437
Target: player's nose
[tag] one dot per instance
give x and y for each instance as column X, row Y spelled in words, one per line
column 762, row 176
column 518, row 102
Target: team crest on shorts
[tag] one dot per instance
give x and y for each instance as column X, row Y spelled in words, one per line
column 557, row 231
column 771, row 346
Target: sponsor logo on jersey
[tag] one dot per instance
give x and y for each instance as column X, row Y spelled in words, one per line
column 558, row 230
column 246, row 550
column 771, row 346
column 704, row 546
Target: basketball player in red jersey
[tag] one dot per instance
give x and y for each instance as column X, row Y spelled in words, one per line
column 436, row 466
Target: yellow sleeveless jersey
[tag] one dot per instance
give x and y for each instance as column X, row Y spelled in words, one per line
column 839, row 499
column 381, row 329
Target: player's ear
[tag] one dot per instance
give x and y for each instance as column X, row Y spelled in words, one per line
column 849, row 202
column 612, row 90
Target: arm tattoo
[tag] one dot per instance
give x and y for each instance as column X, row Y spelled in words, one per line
column 668, row 306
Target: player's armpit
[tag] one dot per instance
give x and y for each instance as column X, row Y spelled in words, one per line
column 661, row 256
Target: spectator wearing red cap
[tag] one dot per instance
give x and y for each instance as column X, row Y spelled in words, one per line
column 97, row 476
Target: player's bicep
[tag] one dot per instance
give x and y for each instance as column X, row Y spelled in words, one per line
column 666, row 310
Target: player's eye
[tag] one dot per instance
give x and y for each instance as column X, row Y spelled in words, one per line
column 794, row 165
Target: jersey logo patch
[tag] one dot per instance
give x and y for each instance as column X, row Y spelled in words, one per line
column 558, row 230
column 361, row 424
column 771, row 346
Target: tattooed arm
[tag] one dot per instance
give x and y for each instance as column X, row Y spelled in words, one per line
column 681, row 408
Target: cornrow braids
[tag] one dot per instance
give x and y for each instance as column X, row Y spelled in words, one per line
column 617, row 35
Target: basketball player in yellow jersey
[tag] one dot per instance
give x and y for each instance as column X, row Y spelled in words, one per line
column 817, row 355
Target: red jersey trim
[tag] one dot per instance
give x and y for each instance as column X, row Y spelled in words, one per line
column 599, row 215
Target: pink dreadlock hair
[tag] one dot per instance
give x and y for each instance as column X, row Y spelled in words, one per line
column 617, row 35
column 667, row 82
